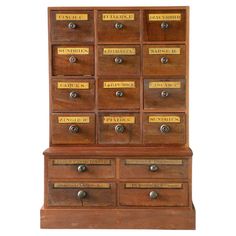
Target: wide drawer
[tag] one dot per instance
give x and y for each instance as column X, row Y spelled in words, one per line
column 73, row 128
column 81, row 194
column 159, row 194
column 154, row 168
column 81, row 168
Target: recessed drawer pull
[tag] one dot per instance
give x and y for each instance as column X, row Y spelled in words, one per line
column 153, row 168
column 153, row 195
column 118, row 60
column 164, row 94
column 72, row 59
column 72, row 25
column 74, row 94
column 82, row 194
column 119, row 93
column 165, row 129
column 82, row 168
column 119, row 26
column 74, row 129
column 164, row 25
column 164, row 60
column 120, row 128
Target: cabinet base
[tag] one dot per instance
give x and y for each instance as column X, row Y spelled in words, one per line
column 118, row 218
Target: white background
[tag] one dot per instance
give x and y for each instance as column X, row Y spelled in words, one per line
column 24, row 114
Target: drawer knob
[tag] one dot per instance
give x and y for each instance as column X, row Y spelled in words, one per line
column 164, row 129
column 82, row 194
column 74, row 129
column 82, row 168
column 118, row 60
column 119, row 26
column 120, row 128
column 153, row 195
column 72, row 59
column 164, row 25
column 164, row 94
column 119, row 93
column 74, row 94
column 164, row 60
column 153, row 168
column 72, row 25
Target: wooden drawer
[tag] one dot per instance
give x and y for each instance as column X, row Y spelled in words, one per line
column 164, row 94
column 118, row 26
column 119, row 128
column 153, row 194
column 118, row 60
column 72, row 26
column 164, row 60
column 72, row 60
column 164, row 128
column 163, row 25
column 73, row 128
column 71, row 95
column 81, row 194
column 118, row 94
column 81, row 168
column 154, row 168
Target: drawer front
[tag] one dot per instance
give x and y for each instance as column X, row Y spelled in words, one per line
column 164, row 60
column 154, row 168
column 164, row 25
column 70, row 95
column 73, row 128
column 119, row 60
column 164, row 128
column 72, row 26
column 119, row 128
column 118, row 26
column 72, row 60
column 153, row 194
column 81, row 194
column 81, row 168
column 164, row 93
column 118, row 94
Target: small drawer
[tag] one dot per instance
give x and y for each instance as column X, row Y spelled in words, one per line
column 71, row 95
column 73, row 128
column 164, row 25
column 118, row 26
column 164, row 60
column 72, row 60
column 81, row 168
column 118, row 93
column 72, row 26
column 81, row 194
column 119, row 128
column 164, row 128
column 159, row 194
column 119, row 60
column 164, row 94
column 164, row 168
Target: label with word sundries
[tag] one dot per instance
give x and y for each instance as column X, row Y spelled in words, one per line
column 61, row 17
column 158, row 51
column 118, row 119
column 117, row 16
column 73, row 85
column 119, row 51
column 161, row 119
column 153, row 161
column 153, row 185
column 74, row 51
column 165, row 17
column 170, row 85
column 81, row 185
column 119, row 84
column 81, row 161
column 73, row 119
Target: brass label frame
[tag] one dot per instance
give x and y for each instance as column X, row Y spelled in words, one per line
column 77, row 17
column 167, row 84
column 153, row 161
column 118, row 16
column 81, row 161
column 73, row 51
column 154, row 185
column 73, row 85
column 118, row 84
column 81, row 185
column 165, row 51
column 73, row 119
column 119, row 120
column 165, row 17
column 119, row 51
column 164, row 119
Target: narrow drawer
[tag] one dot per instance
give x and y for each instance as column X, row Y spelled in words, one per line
column 81, row 168
column 72, row 60
column 164, row 128
column 119, row 128
column 119, row 60
column 72, row 26
column 71, row 95
column 81, row 194
column 163, row 25
column 164, row 60
column 154, row 168
column 118, row 26
column 159, row 194
column 73, row 128
column 164, row 94
column 118, row 94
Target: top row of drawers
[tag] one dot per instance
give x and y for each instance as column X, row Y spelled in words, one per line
column 117, row 26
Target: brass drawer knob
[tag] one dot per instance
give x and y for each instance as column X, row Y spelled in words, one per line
column 72, row 25
column 164, row 25
column 153, row 168
column 165, row 129
column 82, row 168
column 153, row 195
column 74, row 129
column 72, row 59
column 118, row 60
column 119, row 93
column 164, row 94
column 119, row 26
column 164, row 60
column 120, row 128
column 82, row 194
column 74, row 94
